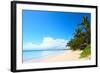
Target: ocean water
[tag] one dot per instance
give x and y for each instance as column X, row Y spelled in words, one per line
column 36, row 54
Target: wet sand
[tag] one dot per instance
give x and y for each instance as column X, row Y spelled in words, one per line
column 68, row 55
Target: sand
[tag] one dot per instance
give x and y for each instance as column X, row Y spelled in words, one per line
column 68, row 55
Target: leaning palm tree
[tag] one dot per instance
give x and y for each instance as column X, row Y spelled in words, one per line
column 86, row 24
column 82, row 35
column 78, row 32
column 86, row 29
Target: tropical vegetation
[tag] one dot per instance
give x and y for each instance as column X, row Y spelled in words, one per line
column 82, row 38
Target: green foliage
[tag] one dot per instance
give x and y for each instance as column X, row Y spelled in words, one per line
column 86, row 52
column 82, row 36
column 75, row 43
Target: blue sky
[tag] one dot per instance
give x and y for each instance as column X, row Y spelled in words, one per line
column 40, row 24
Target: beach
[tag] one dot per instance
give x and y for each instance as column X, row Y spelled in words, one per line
column 68, row 55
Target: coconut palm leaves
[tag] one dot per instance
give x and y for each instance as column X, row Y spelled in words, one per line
column 82, row 35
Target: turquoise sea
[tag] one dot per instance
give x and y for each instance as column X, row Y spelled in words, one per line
column 36, row 54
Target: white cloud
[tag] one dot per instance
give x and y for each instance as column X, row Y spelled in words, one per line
column 47, row 43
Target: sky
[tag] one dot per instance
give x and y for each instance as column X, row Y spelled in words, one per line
column 49, row 29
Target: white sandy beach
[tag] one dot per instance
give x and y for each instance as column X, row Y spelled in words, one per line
column 66, row 56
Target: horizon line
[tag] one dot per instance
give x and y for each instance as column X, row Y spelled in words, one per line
column 46, row 49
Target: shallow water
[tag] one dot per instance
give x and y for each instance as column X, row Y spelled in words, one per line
column 37, row 54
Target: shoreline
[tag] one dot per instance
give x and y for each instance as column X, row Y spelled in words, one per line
column 68, row 55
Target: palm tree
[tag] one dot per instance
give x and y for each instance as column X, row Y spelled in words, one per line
column 81, row 36
column 78, row 32
column 86, row 28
